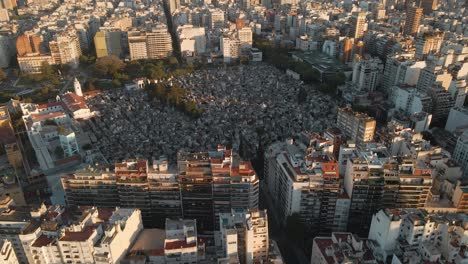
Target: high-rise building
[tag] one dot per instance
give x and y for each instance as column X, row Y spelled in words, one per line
column 100, row 236
column 428, row 43
column 137, row 45
column 7, row 254
column 8, row 4
column 357, row 126
column 374, row 181
column 417, row 236
column 458, row 89
column 27, row 43
column 158, row 42
column 108, row 42
column 433, row 75
column 213, row 183
column 346, row 50
column 428, row 5
column 243, row 236
column 245, row 37
column 401, row 70
column 216, row 19
column 302, row 178
column 413, row 20
column 358, row 25
column 33, row 63
column 230, row 46
column 173, row 6
column 134, row 184
column 100, row 44
column 460, row 154
column 441, row 104
column 65, row 49
column 192, row 39
column 204, row 185
column 367, row 74
column 7, row 48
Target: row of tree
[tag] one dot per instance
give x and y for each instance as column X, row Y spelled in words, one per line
column 120, row 72
column 279, row 57
column 174, row 96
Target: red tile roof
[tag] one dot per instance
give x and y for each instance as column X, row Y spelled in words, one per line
column 49, row 104
column 105, row 213
column 79, row 236
column 42, row 241
column 178, row 244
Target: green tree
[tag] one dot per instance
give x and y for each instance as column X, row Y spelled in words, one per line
column 2, row 75
column 47, row 71
column 116, row 83
column 173, row 61
column 108, row 66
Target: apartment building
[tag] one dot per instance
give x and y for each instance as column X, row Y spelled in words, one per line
column 137, row 45
column 358, row 25
column 181, row 244
column 374, row 180
column 216, row 18
column 230, row 47
column 367, row 74
column 177, row 243
column 7, row 254
column 158, row 42
column 133, row 184
column 433, row 75
column 356, row 126
column 192, row 39
column 98, row 236
column 32, row 63
column 302, row 178
column 243, row 237
column 65, row 48
column 427, row 43
column 416, row 236
column 413, row 20
column 401, row 70
column 215, row 182
column 204, row 185
column 342, row 247
column 460, row 154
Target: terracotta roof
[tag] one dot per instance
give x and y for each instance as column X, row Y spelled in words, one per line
column 42, row 117
column 178, row 244
column 49, row 104
column 42, row 240
column 105, row 213
column 79, row 236
column 74, row 102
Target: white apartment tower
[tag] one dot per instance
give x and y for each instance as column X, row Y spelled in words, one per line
column 359, row 25
column 137, row 45
column 367, row 74
column 158, row 43
column 192, row 39
column 243, row 236
column 65, row 49
column 245, row 37
column 230, row 46
column 216, row 18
